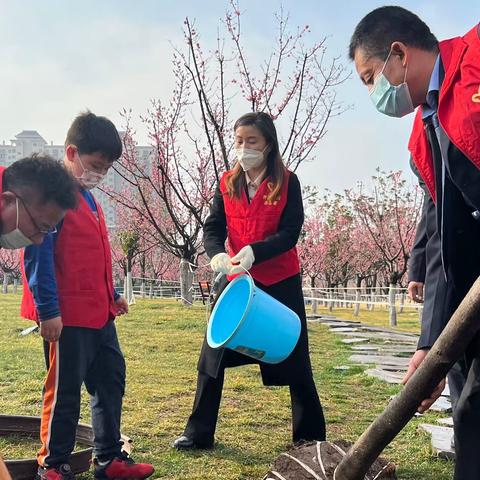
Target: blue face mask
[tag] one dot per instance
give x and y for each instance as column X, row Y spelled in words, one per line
column 392, row 100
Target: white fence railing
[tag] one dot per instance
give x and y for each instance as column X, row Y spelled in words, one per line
column 388, row 298
column 349, row 297
column 155, row 288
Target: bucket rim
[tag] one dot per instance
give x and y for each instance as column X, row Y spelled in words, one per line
column 240, row 278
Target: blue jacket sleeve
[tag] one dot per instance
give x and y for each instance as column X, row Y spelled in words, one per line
column 40, row 273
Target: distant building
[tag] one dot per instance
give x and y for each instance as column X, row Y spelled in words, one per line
column 30, row 141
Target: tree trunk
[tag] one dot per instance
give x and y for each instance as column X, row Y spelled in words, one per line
column 356, row 311
column 129, row 296
column 358, row 293
column 5, row 283
column 448, row 348
column 392, row 307
column 374, row 287
column 142, row 274
column 314, row 294
column 402, row 302
column 186, row 282
column 15, row 285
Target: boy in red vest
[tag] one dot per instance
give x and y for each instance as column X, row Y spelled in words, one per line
column 405, row 67
column 35, row 193
column 70, row 292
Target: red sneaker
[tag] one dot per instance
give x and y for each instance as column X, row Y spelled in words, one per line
column 60, row 472
column 122, row 468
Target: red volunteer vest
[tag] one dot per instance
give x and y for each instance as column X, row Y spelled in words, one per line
column 83, row 270
column 252, row 222
column 458, row 106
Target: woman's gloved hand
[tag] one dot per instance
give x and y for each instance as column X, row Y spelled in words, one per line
column 245, row 258
column 221, row 263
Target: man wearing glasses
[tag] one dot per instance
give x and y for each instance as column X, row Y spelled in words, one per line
column 35, row 194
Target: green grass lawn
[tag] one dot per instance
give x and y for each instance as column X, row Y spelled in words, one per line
column 161, row 341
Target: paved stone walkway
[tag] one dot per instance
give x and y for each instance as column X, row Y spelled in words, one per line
column 387, row 353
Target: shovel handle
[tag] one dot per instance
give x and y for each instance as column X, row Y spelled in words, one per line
column 450, row 345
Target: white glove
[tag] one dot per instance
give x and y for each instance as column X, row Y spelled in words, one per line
column 221, row 263
column 244, row 258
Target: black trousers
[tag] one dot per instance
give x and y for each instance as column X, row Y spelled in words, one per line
column 457, row 378
column 308, row 421
column 93, row 357
column 466, row 419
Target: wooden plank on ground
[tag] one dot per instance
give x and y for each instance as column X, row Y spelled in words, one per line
column 379, row 360
column 446, row 421
column 442, row 404
column 385, row 348
column 343, row 329
column 382, row 336
column 349, row 341
column 394, row 368
column 390, row 377
column 341, row 324
column 441, row 440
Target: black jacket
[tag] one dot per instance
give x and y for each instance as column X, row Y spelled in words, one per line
column 452, row 253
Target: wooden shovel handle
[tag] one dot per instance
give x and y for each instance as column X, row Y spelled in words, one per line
column 459, row 332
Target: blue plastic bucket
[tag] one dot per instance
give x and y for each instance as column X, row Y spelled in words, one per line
column 249, row 321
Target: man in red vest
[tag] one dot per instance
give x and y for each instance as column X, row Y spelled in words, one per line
column 70, row 292
column 35, row 194
column 405, row 67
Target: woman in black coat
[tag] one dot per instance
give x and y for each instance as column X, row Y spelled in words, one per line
column 258, row 209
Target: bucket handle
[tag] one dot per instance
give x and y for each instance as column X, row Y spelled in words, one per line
column 217, row 279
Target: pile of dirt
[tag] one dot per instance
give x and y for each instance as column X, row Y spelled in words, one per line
column 318, row 460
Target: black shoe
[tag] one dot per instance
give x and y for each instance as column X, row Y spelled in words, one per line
column 186, row 443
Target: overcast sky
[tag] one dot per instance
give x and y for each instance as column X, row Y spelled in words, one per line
column 59, row 57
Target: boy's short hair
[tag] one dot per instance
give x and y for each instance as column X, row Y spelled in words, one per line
column 43, row 176
column 381, row 27
column 93, row 134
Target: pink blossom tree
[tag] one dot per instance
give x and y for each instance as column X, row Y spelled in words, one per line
column 325, row 243
column 191, row 135
column 388, row 214
column 10, row 267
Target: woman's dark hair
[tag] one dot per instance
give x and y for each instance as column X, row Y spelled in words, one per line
column 93, row 134
column 381, row 27
column 45, row 177
column 236, row 182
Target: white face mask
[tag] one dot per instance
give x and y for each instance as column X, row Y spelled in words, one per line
column 89, row 179
column 249, row 158
column 16, row 238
